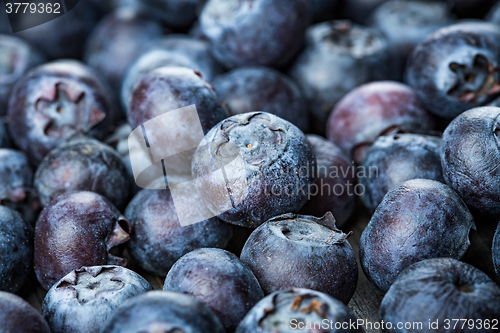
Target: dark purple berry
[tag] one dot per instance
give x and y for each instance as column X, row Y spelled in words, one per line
column 163, row 311
column 55, row 101
column 303, row 252
column 441, row 291
column 77, row 229
column 456, row 68
column 338, row 57
column 157, row 239
column 251, row 89
column 219, row 280
column 231, row 28
column 83, row 165
column 17, row 57
column 394, row 159
column 16, row 250
column 17, row 315
column 417, row 220
column 372, row 110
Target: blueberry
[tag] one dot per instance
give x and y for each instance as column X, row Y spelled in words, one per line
column 231, row 27
column 16, row 184
column 407, row 23
column 495, row 250
column 338, row 57
column 175, row 13
column 304, row 252
column 53, row 102
column 469, row 156
column 454, row 69
column 77, row 229
column 275, row 160
column 169, row 88
column 17, row 315
column 334, row 190
column 219, row 280
column 158, row 240
column 372, row 110
column 393, row 159
column 418, row 219
column 64, row 36
column 83, row 300
column 163, row 311
column 173, row 50
column 16, row 250
column 440, row 291
column 17, row 56
column 298, row 309
column 117, row 41
column 250, row 89
column 83, row 165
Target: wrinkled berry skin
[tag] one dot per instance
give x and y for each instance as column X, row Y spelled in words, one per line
column 83, row 300
column 158, row 240
column 17, row 315
column 173, row 50
column 16, row 250
column 230, row 27
column 338, row 57
column 53, row 102
column 394, row 159
column 455, row 69
column 441, row 289
column 175, row 13
column 63, row 37
column 335, row 182
column 372, row 110
column 17, row 57
column 117, row 41
column 278, row 165
column 83, row 165
column 251, row 89
column 163, row 311
column 77, row 229
column 16, row 184
column 304, row 252
column 283, row 311
column 417, row 220
column 469, row 156
column 407, row 23
column 495, row 250
column 219, row 280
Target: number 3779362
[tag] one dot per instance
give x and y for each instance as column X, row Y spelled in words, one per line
column 27, row 7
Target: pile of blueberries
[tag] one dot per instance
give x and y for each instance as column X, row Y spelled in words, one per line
column 391, row 107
